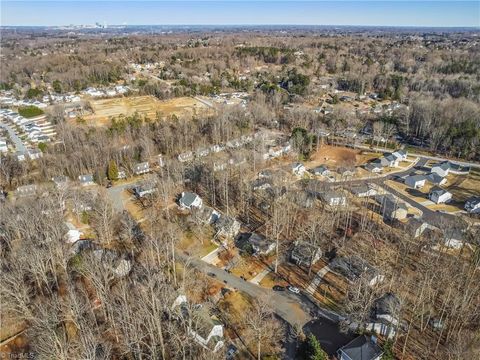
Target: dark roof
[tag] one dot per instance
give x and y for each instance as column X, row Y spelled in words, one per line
column 188, row 198
column 437, row 191
column 361, row 348
column 388, row 304
column 390, row 203
column 416, row 178
column 434, row 178
column 360, row 188
column 352, row 267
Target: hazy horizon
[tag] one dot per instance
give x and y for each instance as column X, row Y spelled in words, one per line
column 441, row 14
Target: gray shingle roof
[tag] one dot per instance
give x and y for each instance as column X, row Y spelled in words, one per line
column 362, row 348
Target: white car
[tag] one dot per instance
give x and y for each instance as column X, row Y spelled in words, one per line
column 293, row 289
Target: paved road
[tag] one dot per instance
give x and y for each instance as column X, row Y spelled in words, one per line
column 294, row 309
column 16, row 140
column 205, row 102
column 115, row 194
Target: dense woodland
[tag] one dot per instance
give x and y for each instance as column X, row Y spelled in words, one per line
column 71, row 304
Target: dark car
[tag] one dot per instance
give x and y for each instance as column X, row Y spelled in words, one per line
column 211, row 274
column 278, row 288
column 109, row 185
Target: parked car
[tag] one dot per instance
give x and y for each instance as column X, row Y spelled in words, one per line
column 211, row 274
column 278, row 288
column 293, row 289
column 231, row 351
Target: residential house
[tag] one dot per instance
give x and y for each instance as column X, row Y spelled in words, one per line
column 472, row 205
column 259, row 243
column 144, row 189
column 34, row 154
column 204, row 329
column 261, row 184
column 360, row 348
column 334, row 198
column 202, row 152
column 227, row 227
column 186, row 156
column 346, row 172
column 446, row 167
column 60, row 181
column 415, row 181
column 416, row 227
column 401, row 155
column 119, row 265
column 374, row 167
column 26, row 190
column 265, row 174
column 207, row 215
column 3, row 146
column 189, row 200
column 321, row 170
column 385, row 315
column 392, row 160
column 454, row 237
column 436, row 179
column 122, row 174
column 304, row 199
column 439, row 195
column 363, row 190
column 86, row 180
column 305, row 254
column 141, row 168
column 354, row 267
column 73, row 234
column 298, row 169
column 20, row 156
column 391, row 207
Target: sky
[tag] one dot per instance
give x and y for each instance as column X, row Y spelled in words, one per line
column 429, row 13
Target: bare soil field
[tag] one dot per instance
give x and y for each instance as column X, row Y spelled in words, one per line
column 337, row 156
column 105, row 109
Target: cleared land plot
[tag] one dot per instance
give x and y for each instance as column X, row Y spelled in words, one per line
column 105, row 109
column 465, row 186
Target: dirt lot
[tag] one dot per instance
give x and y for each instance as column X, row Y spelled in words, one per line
column 337, row 156
column 105, row 109
column 464, row 187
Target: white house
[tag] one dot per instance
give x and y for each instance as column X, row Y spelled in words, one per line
column 26, row 190
column 401, row 155
column 73, row 234
column 436, row 179
column 190, row 200
column 363, row 190
column 86, row 180
column 415, row 181
column 374, row 167
column 3, row 146
column 472, row 205
column 141, row 168
column 386, row 313
column 334, row 198
column 298, row 169
column 441, row 169
column 260, row 244
column 187, row 156
column 320, row 170
column 439, row 195
column 392, row 160
column 206, row 331
column 305, row 254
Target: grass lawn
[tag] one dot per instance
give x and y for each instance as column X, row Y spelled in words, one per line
column 248, row 267
column 30, row 111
